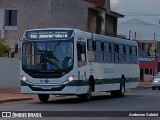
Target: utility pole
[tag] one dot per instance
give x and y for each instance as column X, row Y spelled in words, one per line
column 154, row 36
column 135, row 35
column 130, row 34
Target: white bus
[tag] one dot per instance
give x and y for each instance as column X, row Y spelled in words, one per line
column 65, row 61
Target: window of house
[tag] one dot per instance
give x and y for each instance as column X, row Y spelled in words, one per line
column 10, row 17
column 147, row 71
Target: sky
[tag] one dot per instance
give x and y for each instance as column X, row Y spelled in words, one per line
column 146, row 10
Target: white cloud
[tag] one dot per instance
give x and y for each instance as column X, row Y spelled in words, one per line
column 114, row 2
column 138, row 9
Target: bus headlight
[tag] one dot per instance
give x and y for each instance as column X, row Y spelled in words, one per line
column 155, row 81
column 71, row 78
column 23, row 78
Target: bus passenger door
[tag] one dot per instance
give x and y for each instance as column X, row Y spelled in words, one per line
column 81, row 60
column 91, row 56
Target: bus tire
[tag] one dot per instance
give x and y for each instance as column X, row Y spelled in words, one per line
column 121, row 91
column 43, row 97
column 87, row 96
column 153, row 88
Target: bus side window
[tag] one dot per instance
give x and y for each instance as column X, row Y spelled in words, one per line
column 116, row 48
column 128, row 54
column 116, row 53
column 134, row 55
column 81, row 53
column 90, row 45
column 130, row 50
column 99, row 51
column 112, row 52
column 110, row 47
column 107, row 52
column 91, row 50
column 124, row 49
column 121, row 58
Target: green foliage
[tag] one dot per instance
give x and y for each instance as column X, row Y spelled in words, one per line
column 4, row 48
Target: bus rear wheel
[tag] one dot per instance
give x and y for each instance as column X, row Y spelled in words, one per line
column 43, row 97
column 121, row 91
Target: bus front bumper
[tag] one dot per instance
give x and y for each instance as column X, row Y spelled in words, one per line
column 58, row 89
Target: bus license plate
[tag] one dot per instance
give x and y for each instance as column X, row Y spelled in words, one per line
column 46, row 87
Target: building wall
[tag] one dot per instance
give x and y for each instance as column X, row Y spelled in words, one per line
column 43, row 14
column 69, row 13
column 147, row 59
column 34, row 14
column 28, row 17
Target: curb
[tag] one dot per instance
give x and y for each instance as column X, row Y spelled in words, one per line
column 7, row 100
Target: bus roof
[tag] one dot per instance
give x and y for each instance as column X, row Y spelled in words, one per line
column 51, row 29
column 96, row 36
column 115, row 40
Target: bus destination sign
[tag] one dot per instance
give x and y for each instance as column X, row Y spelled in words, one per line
column 48, row 34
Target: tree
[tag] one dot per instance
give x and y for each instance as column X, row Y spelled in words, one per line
column 4, row 48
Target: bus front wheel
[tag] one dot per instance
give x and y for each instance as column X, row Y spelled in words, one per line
column 43, row 97
column 87, row 96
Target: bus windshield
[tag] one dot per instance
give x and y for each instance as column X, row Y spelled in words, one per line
column 47, row 56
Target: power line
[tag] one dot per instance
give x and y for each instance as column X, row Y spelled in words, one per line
column 139, row 14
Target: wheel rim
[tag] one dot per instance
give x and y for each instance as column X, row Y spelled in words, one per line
column 89, row 92
column 123, row 89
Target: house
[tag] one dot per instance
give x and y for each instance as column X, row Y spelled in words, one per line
column 95, row 16
column 148, row 59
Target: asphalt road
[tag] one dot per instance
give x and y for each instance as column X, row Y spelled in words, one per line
column 135, row 101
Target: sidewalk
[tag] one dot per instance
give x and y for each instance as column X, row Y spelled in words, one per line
column 13, row 94
column 145, row 84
